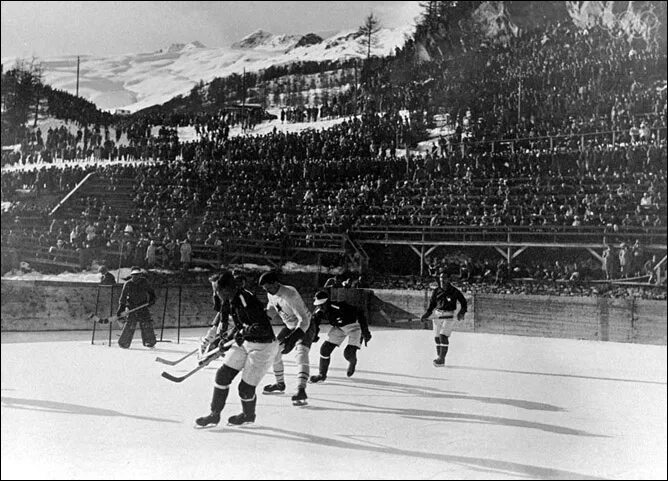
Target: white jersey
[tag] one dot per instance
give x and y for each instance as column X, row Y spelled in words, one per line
column 290, row 306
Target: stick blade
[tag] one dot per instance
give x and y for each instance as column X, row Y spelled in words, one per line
column 171, row 377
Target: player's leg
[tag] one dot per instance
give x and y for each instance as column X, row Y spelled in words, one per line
column 279, row 372
column 446, row 333
column 221, row 386
column 302, row 350
column 335, row 337
column 325, row 353
column 354, row 333
column 147, row 333
column 438, row 325
column 260, row 358
column 127, row 334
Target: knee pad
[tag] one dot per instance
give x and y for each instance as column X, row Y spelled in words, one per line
column 327, row 348
column 350, row 352
column 246, row 391
column 225, row 375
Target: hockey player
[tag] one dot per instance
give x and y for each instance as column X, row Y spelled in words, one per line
column 253, row 352
column 345, row 320
column 444, row 301
column 297, row 334
column 220, row 327
column 136, row 291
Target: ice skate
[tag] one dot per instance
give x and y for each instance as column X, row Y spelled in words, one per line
column 438, row 362
column 299, row 399
column 278, row 388
column 351, row 367
column 317, row 378
column 208, row 421
column 240, row 419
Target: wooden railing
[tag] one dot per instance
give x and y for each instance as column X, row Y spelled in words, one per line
column 547, row 234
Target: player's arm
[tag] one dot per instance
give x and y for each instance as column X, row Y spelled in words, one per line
column 122, row 300
column 431, row 307
column 361, row 318
column 463, row 305
column 301, row 312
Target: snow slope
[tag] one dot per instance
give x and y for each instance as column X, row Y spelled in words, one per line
column 138, row 80
column 506, row 407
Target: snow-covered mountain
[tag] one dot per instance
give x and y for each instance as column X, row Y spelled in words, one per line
column 138, row 80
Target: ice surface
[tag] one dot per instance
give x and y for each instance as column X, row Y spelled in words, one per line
column 506, row 407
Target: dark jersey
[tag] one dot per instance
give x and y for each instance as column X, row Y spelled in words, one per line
column 446, row 300
column 135, row 293
column 340, row 314
column 250, row 317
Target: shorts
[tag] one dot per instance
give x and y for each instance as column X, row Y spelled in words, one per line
column 444, row 326
column 253, row 358
column 336, row 334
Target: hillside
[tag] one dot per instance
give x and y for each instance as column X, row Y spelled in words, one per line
column 137, row 80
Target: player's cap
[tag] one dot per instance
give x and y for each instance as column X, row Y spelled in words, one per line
column 268, row 278
column 134, row 270
column 320, row 298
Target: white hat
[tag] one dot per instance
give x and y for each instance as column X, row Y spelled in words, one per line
column 135, row 270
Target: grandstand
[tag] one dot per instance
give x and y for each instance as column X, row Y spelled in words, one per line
column 549, row 160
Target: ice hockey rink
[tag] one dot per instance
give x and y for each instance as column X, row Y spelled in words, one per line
column 505, row 407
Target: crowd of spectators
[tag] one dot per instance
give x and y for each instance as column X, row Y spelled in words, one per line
column 551, row 88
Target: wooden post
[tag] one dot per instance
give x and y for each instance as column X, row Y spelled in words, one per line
column 111, row 310
column 178, row 325
column 97, row 300
column 164, row 311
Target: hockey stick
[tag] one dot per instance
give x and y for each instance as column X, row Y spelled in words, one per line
column 214, row 354
column 106, row 320
column 174, row 363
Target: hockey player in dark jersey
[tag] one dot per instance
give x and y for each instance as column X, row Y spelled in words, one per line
column 136, row 292
column 253, row 353
column 220, row 326
column 444, row 301
column 345, row 320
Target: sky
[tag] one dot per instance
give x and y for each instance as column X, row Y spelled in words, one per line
column 47, row 29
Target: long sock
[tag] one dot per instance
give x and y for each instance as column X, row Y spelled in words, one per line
column 324, row 365
column 219, row 397
column 221, row 387
column 280, row 376
column 248, row 405
column 445, row 343
column 303, row 364
column 438, row 346
column 302, row 377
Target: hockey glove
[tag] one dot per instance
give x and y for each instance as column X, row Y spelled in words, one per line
column 366, row 337
column 291, row 339
column 239, row 337
column 206, row 340
column 460, row 316
column 120, row 311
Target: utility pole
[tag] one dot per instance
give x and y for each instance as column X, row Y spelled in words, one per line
column 77, row 76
